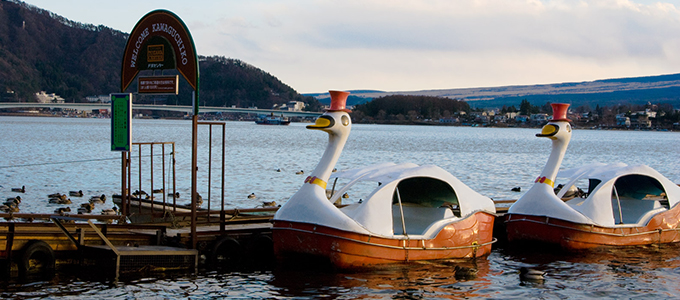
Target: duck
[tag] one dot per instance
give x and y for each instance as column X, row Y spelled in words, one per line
column 19, row 190
column 300, row 172
column 110, row 211
column 62, row 210
column 516, row 189
column 199, row 200
column 139, row 194
column 527, row 274
column 60, row 200
column 98, row 199
column 158, row 191
column 55, row 195
column 252, row 196
column 175, row 195
column 16, row 200
column 345, row 195
column 269, row 204
column 76, row 193
column 8, row 208
column 278, row 170
column 85, row 208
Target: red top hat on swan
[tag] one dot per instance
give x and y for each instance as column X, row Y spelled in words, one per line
column 560, row 112
column 338, row 101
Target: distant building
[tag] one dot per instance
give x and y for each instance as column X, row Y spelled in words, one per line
column 510, row 115
column 99, row 99
column 521, row 118
column 44, row 97
column 449, row 120
column 622, row 120
column 538, row 118
column 291, row 106
column 641, row 120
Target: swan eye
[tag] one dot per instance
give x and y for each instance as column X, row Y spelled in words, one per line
column 345, row 120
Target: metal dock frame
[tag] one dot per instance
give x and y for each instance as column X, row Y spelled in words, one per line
column 130, row 258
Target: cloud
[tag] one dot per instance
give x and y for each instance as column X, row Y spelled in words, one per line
column 413, row 44
column 510, row 42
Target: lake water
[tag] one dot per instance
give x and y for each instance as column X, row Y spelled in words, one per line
column 50, row 155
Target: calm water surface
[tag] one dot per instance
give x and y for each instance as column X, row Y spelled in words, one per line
column 49, row 155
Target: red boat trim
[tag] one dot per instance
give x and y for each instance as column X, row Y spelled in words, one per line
column 547, row 222
column 387, row 246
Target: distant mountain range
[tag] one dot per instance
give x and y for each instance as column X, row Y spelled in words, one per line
column 607, row 92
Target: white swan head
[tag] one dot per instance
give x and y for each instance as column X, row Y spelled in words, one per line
column 559, row 131
column 335, row 121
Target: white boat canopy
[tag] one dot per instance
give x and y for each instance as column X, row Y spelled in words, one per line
column 420, row 189
column 619, row 194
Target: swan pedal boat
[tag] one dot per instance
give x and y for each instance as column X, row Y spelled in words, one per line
column 623, row 206
column 413, row 213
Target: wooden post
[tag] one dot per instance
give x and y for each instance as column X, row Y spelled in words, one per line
column 123, row 185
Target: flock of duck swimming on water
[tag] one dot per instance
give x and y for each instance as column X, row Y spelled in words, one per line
column 11, row 205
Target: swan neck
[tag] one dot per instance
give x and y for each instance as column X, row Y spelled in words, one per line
column 330, row 157
column 559, row 148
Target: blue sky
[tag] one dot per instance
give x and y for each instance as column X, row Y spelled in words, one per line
column 406, row 45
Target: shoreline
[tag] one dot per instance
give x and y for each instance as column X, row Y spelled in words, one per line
column 504, row 125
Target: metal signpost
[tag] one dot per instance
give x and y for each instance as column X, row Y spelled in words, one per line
column 121, row 136
column 159, row 41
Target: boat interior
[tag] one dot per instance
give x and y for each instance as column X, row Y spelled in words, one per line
column 635, row 199
column 419, row 203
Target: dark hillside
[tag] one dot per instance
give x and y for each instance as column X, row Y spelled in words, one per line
column 41, row 51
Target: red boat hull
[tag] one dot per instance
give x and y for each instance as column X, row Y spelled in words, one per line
column 470, row 237
column 662, row 228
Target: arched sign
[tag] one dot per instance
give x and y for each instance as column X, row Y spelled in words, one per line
column 159, row 41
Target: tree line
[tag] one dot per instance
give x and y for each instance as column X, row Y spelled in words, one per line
column 401, row 108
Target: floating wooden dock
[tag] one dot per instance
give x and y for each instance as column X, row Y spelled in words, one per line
column 50, row 241
column 41, row 245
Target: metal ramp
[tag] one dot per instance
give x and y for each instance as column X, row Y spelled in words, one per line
column 125, row 259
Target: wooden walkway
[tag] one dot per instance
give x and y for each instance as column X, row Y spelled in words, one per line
column 31, row 242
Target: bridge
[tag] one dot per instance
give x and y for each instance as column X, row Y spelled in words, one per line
column 180, row 108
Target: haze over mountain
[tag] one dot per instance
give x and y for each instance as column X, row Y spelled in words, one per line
column 638, row 90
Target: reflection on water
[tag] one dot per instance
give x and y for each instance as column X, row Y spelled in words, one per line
column 614, row 273
column 50, row 155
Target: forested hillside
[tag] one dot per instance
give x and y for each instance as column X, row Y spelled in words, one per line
column 41, row 51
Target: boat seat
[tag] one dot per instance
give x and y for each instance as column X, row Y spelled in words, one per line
column 635, row 211
column 644, row 219
column 417, row 218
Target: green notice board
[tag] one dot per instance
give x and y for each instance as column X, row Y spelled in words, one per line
column 121, row 121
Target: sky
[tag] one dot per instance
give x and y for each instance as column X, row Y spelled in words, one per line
column 408, row 45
